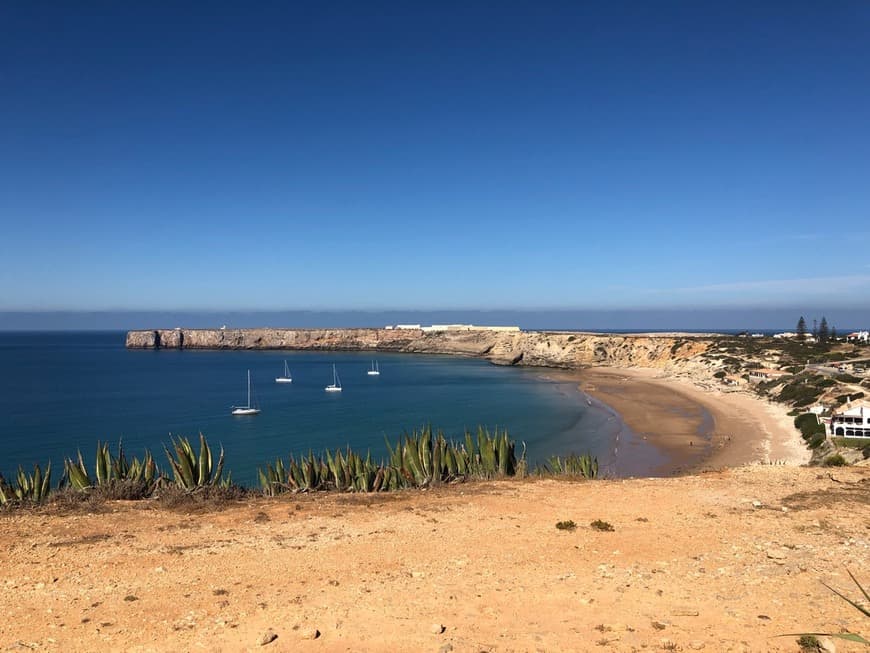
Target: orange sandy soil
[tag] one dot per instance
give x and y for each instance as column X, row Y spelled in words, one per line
column 693, row 564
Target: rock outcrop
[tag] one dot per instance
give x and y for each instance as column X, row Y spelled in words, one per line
column 535, row 348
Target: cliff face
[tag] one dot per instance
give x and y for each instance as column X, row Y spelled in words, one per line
column 565, row 350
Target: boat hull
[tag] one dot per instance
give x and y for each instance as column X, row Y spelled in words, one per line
column 282, row 379
column 332, row 388
column 246, row 411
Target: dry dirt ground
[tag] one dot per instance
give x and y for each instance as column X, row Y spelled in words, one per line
column 722, row 561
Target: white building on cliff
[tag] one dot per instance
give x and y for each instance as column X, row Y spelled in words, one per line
column 851, row 421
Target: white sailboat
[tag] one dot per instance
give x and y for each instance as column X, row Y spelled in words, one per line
column 286, row 378
column 249, row 409
column 375, row 371
column 336, row 382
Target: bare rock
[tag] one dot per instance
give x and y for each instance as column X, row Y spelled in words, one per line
column 826, row 645
column 267, row 638
column 309, row 633
column 437, row 629
column 776, row 554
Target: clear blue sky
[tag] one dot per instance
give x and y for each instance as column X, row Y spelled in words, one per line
column 367, row 155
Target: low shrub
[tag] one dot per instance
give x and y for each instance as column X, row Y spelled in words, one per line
column 568, row 525
column 835, row 460
column 809, row 426
column 599, row 525
column 203, row 499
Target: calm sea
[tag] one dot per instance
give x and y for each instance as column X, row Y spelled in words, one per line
column 61, row 392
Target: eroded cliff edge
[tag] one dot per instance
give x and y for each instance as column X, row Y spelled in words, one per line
column 535, row 348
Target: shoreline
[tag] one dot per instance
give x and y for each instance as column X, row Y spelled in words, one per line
column 696, row 428
column 648, row 380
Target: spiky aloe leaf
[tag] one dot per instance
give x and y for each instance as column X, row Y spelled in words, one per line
column 119, row 466
column 469, row 445
column 203, row 476
column 435, row 476
column 102, row 463
column 378, row 482
column 77, row 473
column 183, row 463
column 503, row 455
column 149, row 468
column 46, row 484
column 35, row 485
column 219, row 470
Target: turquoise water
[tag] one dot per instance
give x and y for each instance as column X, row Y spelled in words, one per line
column 61, row 392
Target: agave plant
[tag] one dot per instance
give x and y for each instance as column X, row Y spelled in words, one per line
column 192, row 470
column 28, row 487
column 423, row 459
column 109, row 469
column 489, row 455
column 585, row 466
column 307, row 474
column 273, row 480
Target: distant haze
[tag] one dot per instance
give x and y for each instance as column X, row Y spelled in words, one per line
column 580, row 320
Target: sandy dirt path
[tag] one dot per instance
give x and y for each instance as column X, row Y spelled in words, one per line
column 722, row 561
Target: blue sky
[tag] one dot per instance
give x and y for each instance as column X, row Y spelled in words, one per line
column 512, row 155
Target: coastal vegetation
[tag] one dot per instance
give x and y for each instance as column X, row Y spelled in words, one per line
column 27, row 488
column 584, row 466
column 417, row 460
column 113, row 475
column 812, row 430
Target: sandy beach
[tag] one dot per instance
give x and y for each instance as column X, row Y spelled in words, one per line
column 696, row 427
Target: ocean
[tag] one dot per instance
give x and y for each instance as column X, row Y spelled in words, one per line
column 61, row 392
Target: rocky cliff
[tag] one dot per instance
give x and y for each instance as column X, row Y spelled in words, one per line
column 538, row 348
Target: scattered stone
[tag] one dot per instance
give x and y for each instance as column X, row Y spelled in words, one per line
column 267, row 638
column 437, row 629
column 696, row 645
column 826, row 645
column 756, row 504
column 309, row 633
column 764, row 617
column 418, row 574
column 446, row 648
column 659, row 625
column 685, row 612
column 131, row 598
column 776, row 554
